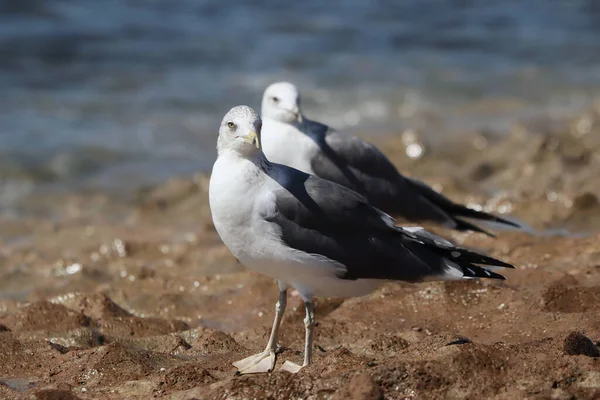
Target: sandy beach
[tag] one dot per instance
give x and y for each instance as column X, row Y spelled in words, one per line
column 149, row 303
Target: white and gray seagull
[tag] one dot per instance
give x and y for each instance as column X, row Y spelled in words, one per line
column 292, row 139
column 314, row 235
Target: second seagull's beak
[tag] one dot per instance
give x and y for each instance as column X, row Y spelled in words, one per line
column 252, row 138
column 296, row 111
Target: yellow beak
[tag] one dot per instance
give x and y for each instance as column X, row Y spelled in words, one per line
column 252, row 138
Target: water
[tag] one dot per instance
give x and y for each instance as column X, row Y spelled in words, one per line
column 114, row 94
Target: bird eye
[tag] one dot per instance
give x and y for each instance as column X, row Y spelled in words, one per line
column 231, row 125
column 275, row 100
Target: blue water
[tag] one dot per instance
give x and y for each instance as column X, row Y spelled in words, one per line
column 114, row 94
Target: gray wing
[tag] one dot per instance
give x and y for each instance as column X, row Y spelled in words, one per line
column 359, row 165
column 321, row 217
column 352, row 162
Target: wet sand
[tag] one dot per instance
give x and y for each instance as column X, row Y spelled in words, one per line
column 137, row 300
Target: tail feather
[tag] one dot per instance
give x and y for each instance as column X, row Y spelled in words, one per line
column 454, row 210
column 462, row 211
column 457, row 254
column 473, row 271
column 465, row 257
column 449, row 262
column 461, row 225
column 455, row 271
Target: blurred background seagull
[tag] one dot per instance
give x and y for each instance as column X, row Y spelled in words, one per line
column 314, row 235
column 317, row 149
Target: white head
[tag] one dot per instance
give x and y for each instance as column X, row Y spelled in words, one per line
column 281, row 102
column 240, row 132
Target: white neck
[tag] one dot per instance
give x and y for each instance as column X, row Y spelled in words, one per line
column 286, row 144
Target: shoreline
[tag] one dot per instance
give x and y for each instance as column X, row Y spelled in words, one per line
column 95, row 171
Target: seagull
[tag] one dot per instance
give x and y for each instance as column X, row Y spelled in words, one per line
column 317, row 149
column 316, row 236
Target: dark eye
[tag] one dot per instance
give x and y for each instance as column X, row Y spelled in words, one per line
column 275, row 100
column 231, row 125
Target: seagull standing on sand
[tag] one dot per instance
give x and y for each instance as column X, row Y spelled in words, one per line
column 290, row 138
column 314, row 235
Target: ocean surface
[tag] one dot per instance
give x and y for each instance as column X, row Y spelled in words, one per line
column 115, row 94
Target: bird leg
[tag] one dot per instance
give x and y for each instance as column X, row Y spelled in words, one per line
column 309, row 325
column 265, row 361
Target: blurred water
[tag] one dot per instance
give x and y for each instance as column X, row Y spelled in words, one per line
column 113, row 94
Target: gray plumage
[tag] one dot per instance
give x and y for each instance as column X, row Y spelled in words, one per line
column 317, row 236
column 321, row 217
column 263, row 209
column 292, row 139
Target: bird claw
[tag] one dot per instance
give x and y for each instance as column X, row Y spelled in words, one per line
column 256, row 364
column 291, row 367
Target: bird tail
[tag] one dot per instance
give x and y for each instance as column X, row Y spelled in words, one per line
column 456, row 211
column 448, row 262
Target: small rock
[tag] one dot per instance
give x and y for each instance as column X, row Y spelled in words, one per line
column 459, row 341
column 577, row 343
column 361, row 387
column 58, row 347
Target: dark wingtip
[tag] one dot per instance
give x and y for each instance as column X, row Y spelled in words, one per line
column 483, row 216
column 498, row 263
column 462, row 225
column 493, row 262
column 511, row 223
column 471, row 257
column 474, row 271
column 505, row 221
column 458, row 210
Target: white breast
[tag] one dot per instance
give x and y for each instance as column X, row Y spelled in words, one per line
column 230, row 197
column 284, row 144
column 241, row 200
